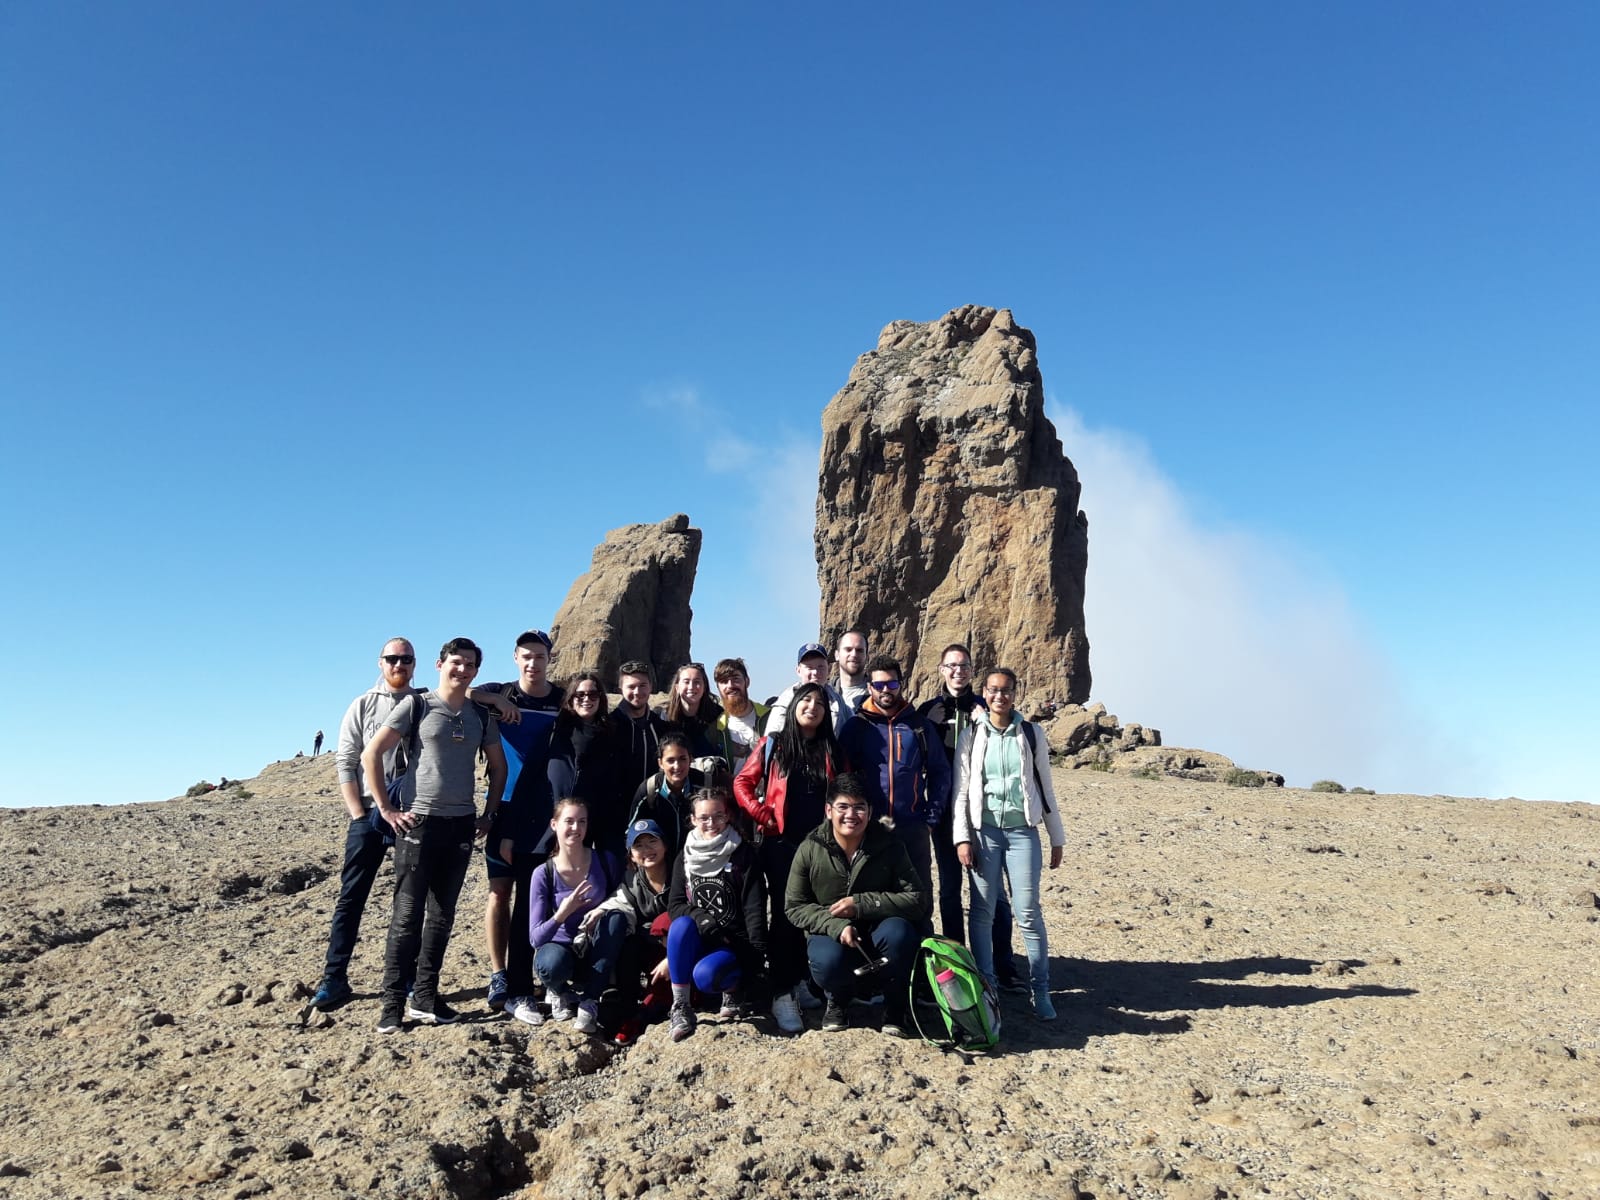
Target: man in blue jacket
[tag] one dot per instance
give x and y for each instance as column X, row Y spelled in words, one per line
column 901, row 761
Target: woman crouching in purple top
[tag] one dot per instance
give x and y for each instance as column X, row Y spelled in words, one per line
column 573, row 966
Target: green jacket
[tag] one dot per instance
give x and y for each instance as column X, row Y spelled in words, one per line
column 882, row 880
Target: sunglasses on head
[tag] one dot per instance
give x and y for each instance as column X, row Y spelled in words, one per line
column 400, row 660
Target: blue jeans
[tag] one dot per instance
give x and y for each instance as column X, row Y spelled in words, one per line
column 559, row 969
column 430, row 864
column 833, row 964
column 1014, row 853
column 952, row 922
column 363, row 856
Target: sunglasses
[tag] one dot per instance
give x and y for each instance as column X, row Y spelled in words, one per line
column 886, row 685
column 400, row 660
column 581, row 696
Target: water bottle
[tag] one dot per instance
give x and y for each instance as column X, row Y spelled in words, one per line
column 962, row 1000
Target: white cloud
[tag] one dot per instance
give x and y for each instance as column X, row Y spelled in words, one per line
column 1225, row 642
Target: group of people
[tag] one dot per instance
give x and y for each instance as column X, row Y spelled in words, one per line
column 754, row 856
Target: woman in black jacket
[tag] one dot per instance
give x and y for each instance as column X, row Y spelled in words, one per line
column 583, row 759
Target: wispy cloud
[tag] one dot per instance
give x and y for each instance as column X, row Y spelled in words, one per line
column 1226, row 642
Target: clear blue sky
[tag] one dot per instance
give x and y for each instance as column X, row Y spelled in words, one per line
column 323, row 323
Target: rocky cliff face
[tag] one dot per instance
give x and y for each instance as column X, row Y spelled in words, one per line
column 633, row 603
column 946, row 510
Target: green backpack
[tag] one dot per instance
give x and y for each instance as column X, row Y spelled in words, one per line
column 969, row 1006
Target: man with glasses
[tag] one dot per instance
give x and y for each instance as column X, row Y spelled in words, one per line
column 952, row 712
column 811, row 666
column 906, row 776
column 854, row 891
column 365, row 839
column 851, row 655
column 517, row 842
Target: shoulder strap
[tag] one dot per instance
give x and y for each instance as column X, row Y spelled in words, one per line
column 1033, row 753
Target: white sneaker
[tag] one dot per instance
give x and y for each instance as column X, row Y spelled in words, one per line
column 787, row 1013
column 564, row 1007
column 805, row 997
column 588, row 1018
column 525, row 1010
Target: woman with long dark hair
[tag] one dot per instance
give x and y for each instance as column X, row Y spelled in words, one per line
column 583, row 759
column 690, row 710
column 783, row 787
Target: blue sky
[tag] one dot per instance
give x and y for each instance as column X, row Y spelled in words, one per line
column 323, row 323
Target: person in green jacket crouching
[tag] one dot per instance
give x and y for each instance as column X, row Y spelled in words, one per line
column 853, row 890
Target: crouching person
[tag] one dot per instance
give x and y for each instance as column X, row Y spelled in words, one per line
column 573, row 966
column 636, row 914
column 854, row 891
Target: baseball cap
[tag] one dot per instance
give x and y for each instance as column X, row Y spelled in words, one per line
column 536, row 635
column 639, row 828
column 808, row 650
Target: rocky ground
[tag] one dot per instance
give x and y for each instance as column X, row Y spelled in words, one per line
column 1262, row 993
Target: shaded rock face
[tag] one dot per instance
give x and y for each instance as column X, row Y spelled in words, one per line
column 633, row 603
column 946, row 510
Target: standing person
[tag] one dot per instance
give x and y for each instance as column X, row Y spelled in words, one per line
column 519, row 839
column 851, row 655
column 906, row 775
column 811, row 666
column 583, row 757
column 316, row 744
column 665, row 796
column 690, row 711
column 743, row 721
column 572, row 882
column 784, row 789
column 951, row 712
column 854, row 891
column 717, row 941
column 365, row 839
column 638, row 731
column 1003, row 792
column 433, row 838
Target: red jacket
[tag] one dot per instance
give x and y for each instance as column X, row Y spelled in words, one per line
column 765, row 810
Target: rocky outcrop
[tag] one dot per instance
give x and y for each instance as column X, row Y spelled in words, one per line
column 946, row 510
column 633, row 603
column 1093, row 738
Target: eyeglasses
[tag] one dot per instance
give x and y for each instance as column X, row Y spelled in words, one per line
column 400, row 660
column 988, row 691
column 710, row 818
column 886, row 685
column 954, row 667
column 859, row 810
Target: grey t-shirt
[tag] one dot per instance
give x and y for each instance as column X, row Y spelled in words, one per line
column 444, row 773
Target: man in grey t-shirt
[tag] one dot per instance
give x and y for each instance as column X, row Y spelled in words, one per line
column 444, row 730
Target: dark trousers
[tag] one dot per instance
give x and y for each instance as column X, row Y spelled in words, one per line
column 430, row 864
column 952, row 921
column 833, row 964
column 636, row 958
column 363, row 857
column 519, row 951
column 786, row 945
column 917, row 837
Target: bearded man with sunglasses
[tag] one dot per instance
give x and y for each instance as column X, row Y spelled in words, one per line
column 902, row 764
column 366, row 839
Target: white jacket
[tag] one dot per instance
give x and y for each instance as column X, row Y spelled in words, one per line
column 967, row 814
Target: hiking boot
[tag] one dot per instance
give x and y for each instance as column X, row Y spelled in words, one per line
column 805, row 997
column 523, row 1009
column 787, row 1014
column 587, row 1019
column 1042, row 1008
column 390, row 1021
column 499, row 993
column 733, row 1006
column 331, row 994
column 437, row 1013
column 835, row 1016
column 1016, row 985
column 894, row 1022
column 681, row 1022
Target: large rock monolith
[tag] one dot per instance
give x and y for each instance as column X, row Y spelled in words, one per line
column 633, row 603
column 946, row 510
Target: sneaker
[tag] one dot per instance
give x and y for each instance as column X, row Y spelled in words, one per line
column 682, row 1022
column 499, row 993
column 523, row 1009
column 787, row 1014
column 564, row 1007
column 805, row 997
column 1042, row 1008
column 1015, row 984
column 437, row 1013
column 628, row 1032
column 894, row 1023
column 390, row 1021
column 587, row 1019
column 835, row 1016
column 732, row 1007
column 331, row 994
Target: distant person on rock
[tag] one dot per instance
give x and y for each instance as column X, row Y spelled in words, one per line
column 811, row 666
column 1003, row 793
column 743, row 721
column 521, row 836
column 904, row 770
column 851, row 655
column 366, row 839
column 445, row 730
column 316, row 744
column 952, row 713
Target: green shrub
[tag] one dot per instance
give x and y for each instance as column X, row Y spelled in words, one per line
column 1362, row 792
column 1239, row 777
column 200, row 789
column 1100, row 764
column 1327, row 785
column 1149, row 771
